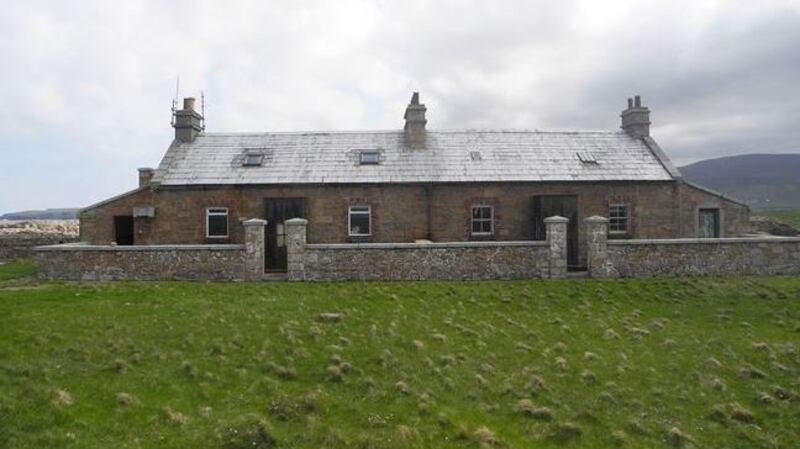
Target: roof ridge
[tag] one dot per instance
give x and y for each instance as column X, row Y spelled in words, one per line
column 400, row 131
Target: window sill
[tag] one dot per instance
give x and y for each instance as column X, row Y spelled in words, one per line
column 359, row 238
column 482, row 237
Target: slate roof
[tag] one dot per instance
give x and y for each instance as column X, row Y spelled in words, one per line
column 448, row 156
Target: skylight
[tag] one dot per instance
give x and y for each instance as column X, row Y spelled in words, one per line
column 586, row 157
column 475, row 155
column 369, row 157
column 253, row 159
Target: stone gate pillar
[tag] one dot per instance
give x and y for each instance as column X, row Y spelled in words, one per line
column 295, row 248
column 597, row 240
column 557, row 238
column 254, row 249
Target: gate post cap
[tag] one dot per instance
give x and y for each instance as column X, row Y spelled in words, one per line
column 556, row 219
column 255, row 222
column 297, row 221
column 596, row 219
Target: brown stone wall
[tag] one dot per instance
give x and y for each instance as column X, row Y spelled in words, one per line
column 735, row 217
column 400, row 213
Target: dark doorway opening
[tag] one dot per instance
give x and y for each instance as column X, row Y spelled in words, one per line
column 562, row 205
column 709, row 223
column 123, row 230
column 277, row 211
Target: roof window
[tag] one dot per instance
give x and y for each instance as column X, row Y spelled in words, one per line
column 369, row 157
column 586, row 157
column 475, row 155
column 253, row 159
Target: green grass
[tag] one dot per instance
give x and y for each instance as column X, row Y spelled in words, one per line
column 657, row 363
column 17, row 269
column 790, row 217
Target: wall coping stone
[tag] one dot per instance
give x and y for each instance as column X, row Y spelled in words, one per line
column 596, row 219
column 685, row 241
column 556, row 219
column 432, row 245
column 254, row 222
column 83, row 246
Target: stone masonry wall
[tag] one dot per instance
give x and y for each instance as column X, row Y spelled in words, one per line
column 703, row 257
column 81, row 262
column 21, row 247
column 427, row 261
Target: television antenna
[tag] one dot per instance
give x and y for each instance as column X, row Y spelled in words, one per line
column 174, row 108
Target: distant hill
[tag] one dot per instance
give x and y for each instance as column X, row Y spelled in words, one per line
column 764, row 181
column 47, row 214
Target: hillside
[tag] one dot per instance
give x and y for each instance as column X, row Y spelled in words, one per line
column 648, row 363
column 46, row 214
column 764, row 181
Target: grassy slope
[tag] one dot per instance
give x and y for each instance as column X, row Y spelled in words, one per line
column 178, row 348
column 789, row 217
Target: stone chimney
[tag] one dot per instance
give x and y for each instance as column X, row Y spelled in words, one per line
column 415, row 122
column 636, row 119
column 145, row 176
column 188, row 122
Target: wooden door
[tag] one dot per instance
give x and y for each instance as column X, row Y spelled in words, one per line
column 277, row 211
column 562, row 205
column 708, row 226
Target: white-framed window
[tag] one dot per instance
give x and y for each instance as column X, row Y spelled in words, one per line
column 618, row 218
column 217, row 222
column 359, row 221
column 482, row 220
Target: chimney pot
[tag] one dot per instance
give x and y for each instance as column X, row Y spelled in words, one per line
column 636, row 119
column 188, row 122
column 415, row 122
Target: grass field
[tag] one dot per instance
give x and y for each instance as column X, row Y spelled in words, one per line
column 789, row 217
column 706, row 363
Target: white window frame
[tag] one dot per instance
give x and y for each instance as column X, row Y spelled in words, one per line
column 472, row 219
column 217, row 211
column 627, row 217
column 365, row 157
column 350, row 213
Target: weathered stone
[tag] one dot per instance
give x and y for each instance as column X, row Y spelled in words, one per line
column 557, row 241
column 254, row 248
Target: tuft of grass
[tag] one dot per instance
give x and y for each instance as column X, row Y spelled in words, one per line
column 18, row 269
column 485, row 437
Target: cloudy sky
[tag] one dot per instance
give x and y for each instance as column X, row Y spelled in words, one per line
column 86, row 86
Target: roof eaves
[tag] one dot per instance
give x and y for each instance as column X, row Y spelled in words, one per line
column 662, row 157
column 715, row 193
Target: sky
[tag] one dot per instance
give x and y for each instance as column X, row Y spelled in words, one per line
column 86, row 86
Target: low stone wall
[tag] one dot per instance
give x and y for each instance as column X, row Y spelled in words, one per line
column 705, row 257
column 427, row 261
column 20, row 246
column 83, row 262
column 689, row 257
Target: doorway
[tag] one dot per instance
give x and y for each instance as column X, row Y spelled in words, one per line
column 277, row 211
column 123, row 230
column 708, row 226
column 562, row 205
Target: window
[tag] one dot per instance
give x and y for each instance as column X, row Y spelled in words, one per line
column 369, row 157
column 359, row 221
column 217, row 222
column 475, row 156
column 482, row 220
column 618, row 218
column 253, row 159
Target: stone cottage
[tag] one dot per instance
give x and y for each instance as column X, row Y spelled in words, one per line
column 411, row 185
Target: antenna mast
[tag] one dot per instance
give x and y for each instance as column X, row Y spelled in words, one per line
column 203, row 110
column 174, row 108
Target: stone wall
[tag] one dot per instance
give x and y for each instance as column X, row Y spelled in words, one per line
column 14, row 247
column 426, row 261
column 83, row 262
column 689, row 257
